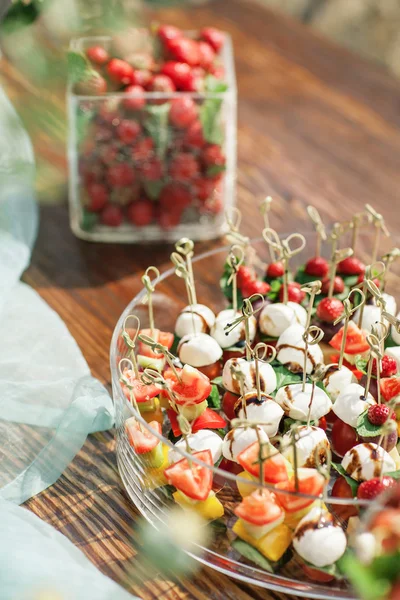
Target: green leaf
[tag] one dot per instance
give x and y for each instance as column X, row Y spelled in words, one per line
column 352, row 482
column 89, row 220
column 252, row 554
column 215, row 170
column 218, row 381
column 274, row 291
column 350, row 280
column 210, row 109
column 361, row 364
column 389, row 342
column 153, row 188
column 387, row 566
column 328, row 569
column 394, row 474
column 167, row 490
column 365, row 428
column 175, row 344
column 221, row 432
column 78, row 66
column 214, row 399
column 302, row 277
column 285, row 377
column 364, row 580
column 156, row 125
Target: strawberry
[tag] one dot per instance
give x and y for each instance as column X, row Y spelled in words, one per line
column 184, row 167
column 317, row 267
column 368, row 490
column 330, row 309
column 255, row 287
column 338, row 285
column 137, row 101
column 388, row 367
column 120, row 71
column 361, row 279
column 378, row 414
column 183, row 112
column 184, row 50
column 207, row 55
column 98, row 195
column 295, row 294
column 111, row 216
column 169, row 32
column 93, row 85
column 351, row 266
column 275, row 270
column 390, row 387
column 97, row 55
column 245, row 275
column 213, row 36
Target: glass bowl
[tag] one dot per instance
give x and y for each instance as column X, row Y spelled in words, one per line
column 168, row 301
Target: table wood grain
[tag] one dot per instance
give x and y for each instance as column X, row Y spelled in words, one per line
column 316, row 125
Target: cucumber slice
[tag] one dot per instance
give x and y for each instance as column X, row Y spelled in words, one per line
column 193, row 411
column 155, row 457
column 151, row 362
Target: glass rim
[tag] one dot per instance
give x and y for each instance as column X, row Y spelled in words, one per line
column 216, row 470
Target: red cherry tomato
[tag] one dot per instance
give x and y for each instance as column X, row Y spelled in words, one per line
column 343, row 437
column 228, row 403
column 209, row 419
column 341, row 489
column 316, row 574
column 211, row 371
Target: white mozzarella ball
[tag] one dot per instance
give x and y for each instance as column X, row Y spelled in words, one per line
column 365, row 461
column 312, row 442
column 296, row 403
column 201, row 440
column 228, row 340
column 351, row 403
column 291, row 348
column 239, row 439
column 337, row 381
column 194, row 319
column 276, row 318
column 372, row 313
column 394, row 352
column 395, row 335
column 266, row 411
column 318, row 540
column 248, row 368
column 199, row 350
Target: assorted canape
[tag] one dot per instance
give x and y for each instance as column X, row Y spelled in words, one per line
column 290, row 387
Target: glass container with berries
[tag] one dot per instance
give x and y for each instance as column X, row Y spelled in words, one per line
column 152, row 135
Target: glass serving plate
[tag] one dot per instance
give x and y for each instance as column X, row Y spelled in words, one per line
column 169, row 299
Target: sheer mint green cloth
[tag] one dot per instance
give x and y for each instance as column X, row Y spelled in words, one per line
column 49, row 402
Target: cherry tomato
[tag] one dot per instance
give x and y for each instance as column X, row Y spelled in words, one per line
column 211, row 371
column 228, row 403
column 341, row 489
column 343, row 437
column 331, row 417
column 316, row 574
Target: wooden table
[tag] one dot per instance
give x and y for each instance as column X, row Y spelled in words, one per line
column 316, row 125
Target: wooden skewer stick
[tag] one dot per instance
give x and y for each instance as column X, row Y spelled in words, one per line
column 131, row 342
column 319, row 228
column 181, row 271
column 349, row 310
column 185, row 247
column 286, row 251
column 234, row 261
column 355, row 228
column 150, row 288
column 261, row 353
column 380, row 227
column 265, row 209
column 248, row 311
column 375, row 343
column 162, row 350
column 128, row 384
column 387, row 260
column 313, row 288
column 371, row 271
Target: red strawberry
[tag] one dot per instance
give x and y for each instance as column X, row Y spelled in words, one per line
column 175, row 196
column 351, row 266
column 207, row 55
column 317, row 267
column 245, row 275
column 111, row 216
column 368, row 490
column 295, row 294
column 169, row 32
column 330, row 309
column 203, row 189
column 275, row 270
column 214, row 37
column 162, row 83
column 98, row 195
column 141, row 213
column 120, row 175
column 143, row 150
column 388, row 367
column 378, row 414
column 255, row 287
column 183, row 112
column 168, row 219
column 181, row 74
column 184, row 167
column 120, row 71
column 137, row 101
column 152, row 169
column 142, row 77
column 338, row 285
column 194, row 135
column 212, row 155
column 97, row 55
column 93, row 85
column 390, row 387
column 128, row 131
column 184, row 50
column 361, row 279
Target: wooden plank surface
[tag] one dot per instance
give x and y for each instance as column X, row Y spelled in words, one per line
column 316, row 125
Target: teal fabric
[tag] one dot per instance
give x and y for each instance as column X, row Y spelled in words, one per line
column 36, row 559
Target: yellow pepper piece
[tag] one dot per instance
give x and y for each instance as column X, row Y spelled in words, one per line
column 155, row 478
column 272, row 545
column 293, row 519
column 209, row 509
column 245, row 489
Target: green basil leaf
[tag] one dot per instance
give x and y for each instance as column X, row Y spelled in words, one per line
column 302, row 277
column 352, row 482
column 210, row 109
column 167, row 490
column 285, row 377
column 361, row 364
column 365, row 428
column 350, row 280
column 175, row 344
column 394, row 474
column 215, row 170
column 153, row 189
column 252, row 554
column 364, row 580
column 156, row 125
column 389, row 342
column 217, row 381
column 387, row 566
column 214, row 399
column 78, row 66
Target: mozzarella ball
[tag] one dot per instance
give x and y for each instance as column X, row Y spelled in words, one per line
column 291, row 348
column 318, row 540
column 337, row 381
column 194, row 319
column 351, row 403
column 239, row 439
column 296, row 403
column 276, row 318
column 312, row 442
column 265, row 410
column 199, row 350
column 372, row 313
column 201, row 440
column 395, row 335
column 248, row 368
column 365, row 461
column 237, row 335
